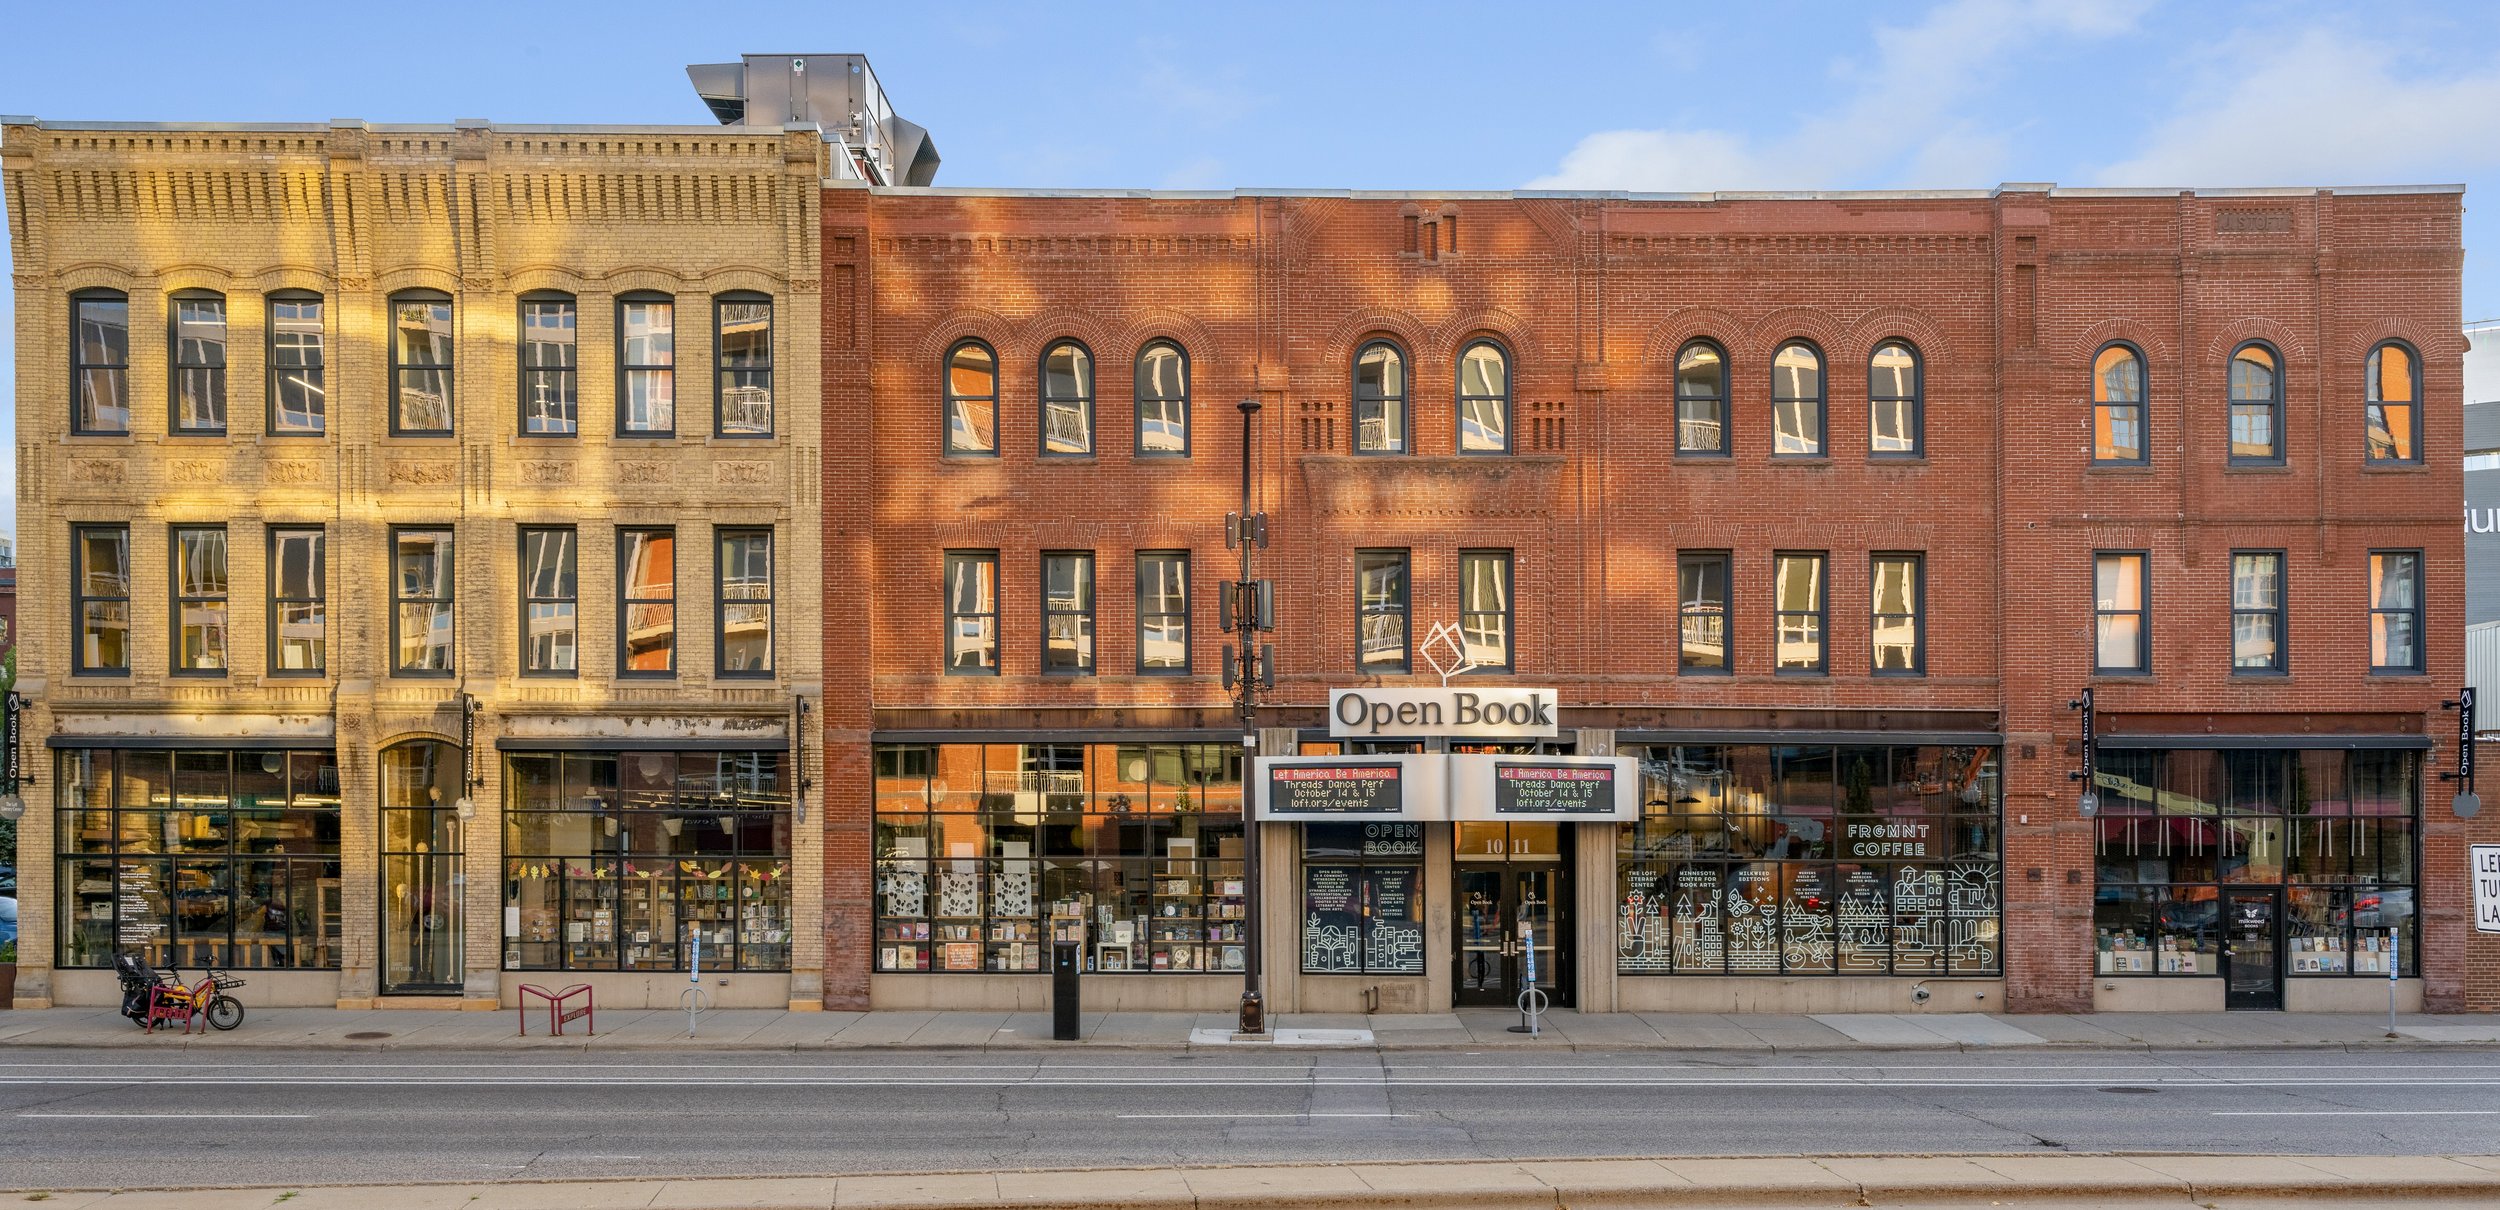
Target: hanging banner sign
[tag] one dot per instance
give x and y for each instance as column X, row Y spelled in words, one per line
column 1490, row 712
column 2483, row 870
column 1579, row 789
column 1351, row 788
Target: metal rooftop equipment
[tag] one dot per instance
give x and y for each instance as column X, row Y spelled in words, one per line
column 837, row 94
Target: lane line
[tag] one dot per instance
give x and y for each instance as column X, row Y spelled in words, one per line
column 186, row 1116
column 1286, row 1082
column 2355, row 1113
column 1228, row 1116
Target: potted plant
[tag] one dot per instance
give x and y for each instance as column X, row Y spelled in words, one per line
column 8, row 974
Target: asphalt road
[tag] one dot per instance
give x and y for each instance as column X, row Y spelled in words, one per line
column 89, row 1118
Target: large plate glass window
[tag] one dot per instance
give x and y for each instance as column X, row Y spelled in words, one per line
column 421, row 351
column 742, row 340
column 423, row 878
column 1362, row 909
column 199, row 363
column 99, row 363
column 1379, row 399
column 1484, row 399
column 1162, row 401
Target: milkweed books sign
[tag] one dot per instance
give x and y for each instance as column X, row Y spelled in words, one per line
column 1351, row 788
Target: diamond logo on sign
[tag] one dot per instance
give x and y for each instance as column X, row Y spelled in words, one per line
column 1445, row 648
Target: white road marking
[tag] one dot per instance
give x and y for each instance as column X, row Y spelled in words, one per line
column 1168, row 1116
column 2354, row 1113
column 187, row 1116
column 1282, row 1081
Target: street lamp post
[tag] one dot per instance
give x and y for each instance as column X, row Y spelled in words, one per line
column 1249, row 608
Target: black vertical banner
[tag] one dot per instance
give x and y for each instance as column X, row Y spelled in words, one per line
column 2465, row 738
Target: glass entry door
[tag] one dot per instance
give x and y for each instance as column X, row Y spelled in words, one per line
column 1513, row 906
column 2252, row 961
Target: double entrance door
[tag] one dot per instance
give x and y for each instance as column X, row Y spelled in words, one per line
column 1513, row 906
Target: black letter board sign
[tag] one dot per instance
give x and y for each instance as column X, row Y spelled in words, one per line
column 1523, row 788
column 1351, row 788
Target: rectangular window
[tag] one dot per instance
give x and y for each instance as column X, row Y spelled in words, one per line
column 421, row 345
column 1899, row 624
column 1380, row 592
column 972, row 612
column 1484, row 610
column 2257, row 611
column 2395, row 611
column 646, row 363
column 742, row 345
column 199, row 365
column 99, row 364
column 2123, row 633
column 200, row 600
column 421, row 579
column 298, row 368
column 1068, row 613
column 1797, row 589
column 646, row 590
column 550, row 367
column 1162, row 613
column 550, row 602
column 1701, row 614
column 298, row 602
column 1362, row 908
column 100, row 596
column 746, row 602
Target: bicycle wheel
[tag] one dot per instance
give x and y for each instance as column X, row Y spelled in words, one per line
column 225, row 1012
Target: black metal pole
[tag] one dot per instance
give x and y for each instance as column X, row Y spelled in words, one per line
column 1245, row 609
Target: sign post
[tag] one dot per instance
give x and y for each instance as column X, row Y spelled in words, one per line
column 693, row 998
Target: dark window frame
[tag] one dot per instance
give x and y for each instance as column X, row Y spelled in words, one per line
column 2273, row 404
column 529, row 598
column 276, row 604
column 1188, row 606
column 947, row 398
column 626, row 370
column 1918, row 612
column 1139, row 395
column 528, row 371
column 2413, row 407
column 1727, row 404
column 1509, row 611
column 722, row 370
column 721, row 536
column 175, row 600
column 2143, row 613
column 1459, row 392
column 2280, row 611
column 2143, row 406
column 176, row 366
column 946, row 603
column 1821, row 399
column 1917, row 399
column 271, row 370
column 450, row 597
column 79, row 598
column 79, row 367
column 1090, row 611
column 1405, row 435
column 2417, row 612
column 626, row 602
column 1821, row 613
column 399, row 368
column 1403, row 607
column 1090, row 397
column 1725, row 561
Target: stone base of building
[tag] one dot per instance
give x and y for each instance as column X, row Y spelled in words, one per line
column 1031, row 993
column 1837, row 994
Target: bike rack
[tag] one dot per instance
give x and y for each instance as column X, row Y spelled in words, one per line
column 559, row 1008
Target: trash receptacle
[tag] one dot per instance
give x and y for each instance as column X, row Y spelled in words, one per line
column 1067, row 961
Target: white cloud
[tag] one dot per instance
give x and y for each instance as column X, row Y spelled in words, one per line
column 1902, row 116
column 2319, row 108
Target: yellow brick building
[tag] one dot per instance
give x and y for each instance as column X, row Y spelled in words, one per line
column 343, row 446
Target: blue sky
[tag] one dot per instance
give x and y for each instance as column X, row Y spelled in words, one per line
column 1653, row 95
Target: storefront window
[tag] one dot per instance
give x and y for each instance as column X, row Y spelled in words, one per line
column 422, row 867
column 198, row 857
column 1811, row 859
column 619, row 861
column 981, row 848
column 2179, row 831
column 1362, row 899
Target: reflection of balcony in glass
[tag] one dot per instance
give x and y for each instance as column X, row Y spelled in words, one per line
column 1705, row 637
column 746, row 409
column 1697, row 434
column 1063, row 426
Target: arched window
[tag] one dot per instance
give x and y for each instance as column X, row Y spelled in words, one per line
column 1483, row 399
column 2256, row 404
column 1796, row 401
column 2394, row 387
column 199, row 362
column 971, row 392
column 2118, row 405
column 1379, row 399
column 422, row 923
column 1162, row 401
column 421, row 364
column 1896, row 405
column 1067, row 400
column 99, row 362
column 1701, row 400
column 551, row 377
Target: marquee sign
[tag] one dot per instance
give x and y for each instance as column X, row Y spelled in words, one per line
column 1563, row 789
column 1489, row 712
column 1349, row 788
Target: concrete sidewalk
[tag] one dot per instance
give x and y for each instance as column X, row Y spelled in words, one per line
column 763, row 1029
column 1478, row 1185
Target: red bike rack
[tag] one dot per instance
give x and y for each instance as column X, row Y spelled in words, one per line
column 559, row 1008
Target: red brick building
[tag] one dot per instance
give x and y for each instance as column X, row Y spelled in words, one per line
column 2192, row 451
